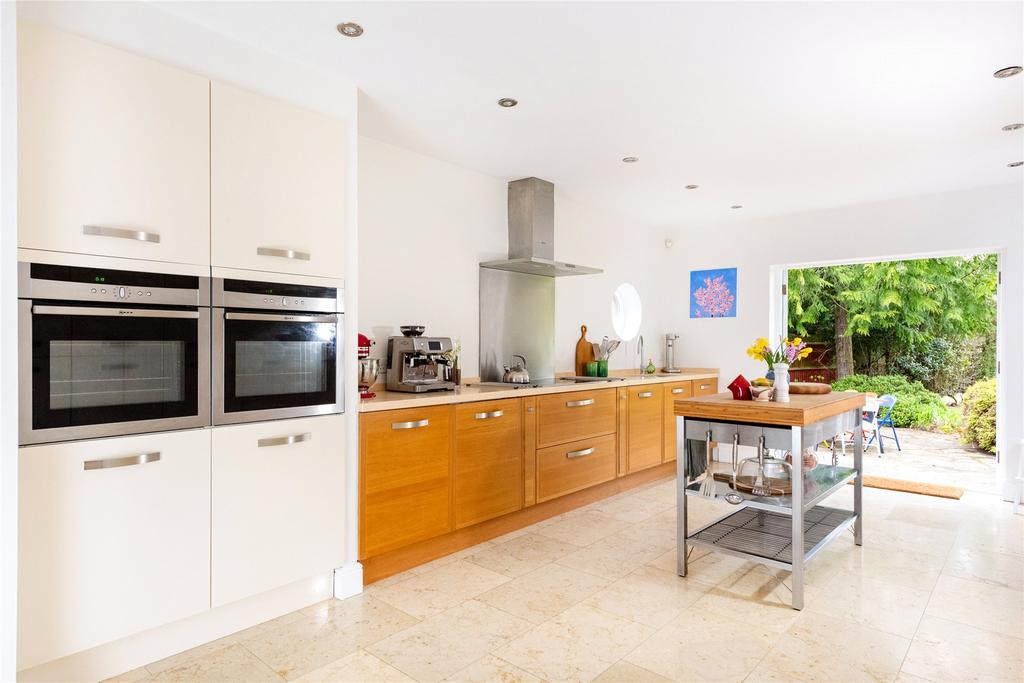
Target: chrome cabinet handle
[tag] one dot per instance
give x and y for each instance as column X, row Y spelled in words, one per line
column 282, row 253
column 487, row 416
column 577, row 404
column 645, row 394
column 412, row 424
column 705, row 386
column 283, row 317
column 678, row 390
column 123, row 233
column 107, row 463
column 113, row 312
column 284, row 440
column 580, row 453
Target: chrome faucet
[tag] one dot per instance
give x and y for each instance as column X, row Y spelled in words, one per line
column 640, row 348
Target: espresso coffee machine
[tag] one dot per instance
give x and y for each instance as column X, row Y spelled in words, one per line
column 418, row 364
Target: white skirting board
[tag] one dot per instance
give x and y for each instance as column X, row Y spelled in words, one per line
column 137, row 650
column 348, row 581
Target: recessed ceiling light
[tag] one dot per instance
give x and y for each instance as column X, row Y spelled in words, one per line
column 350, row 29
column 691, row 187
column 1015, row 164
column 507, row 102
column 736, row 206
column 630, row 160
column 1008, row 71
column 1014, row 126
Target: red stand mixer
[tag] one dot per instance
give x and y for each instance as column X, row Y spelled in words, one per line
column 369, row 368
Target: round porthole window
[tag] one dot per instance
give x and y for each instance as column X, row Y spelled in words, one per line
column 626, row 311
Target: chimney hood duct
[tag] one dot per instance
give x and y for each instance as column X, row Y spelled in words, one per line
column 531, row 232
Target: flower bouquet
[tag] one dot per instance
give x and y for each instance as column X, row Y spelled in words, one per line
column 778, row 360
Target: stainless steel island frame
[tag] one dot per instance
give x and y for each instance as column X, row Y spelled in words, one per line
column 768, row 529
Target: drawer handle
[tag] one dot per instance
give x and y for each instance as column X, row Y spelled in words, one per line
column 123, row 233
column 413, row 424
column 488, row 416
column 678, row 390
column 645, row 394
column 705, row 386
column 580, row 453
column 282, row 253
column 578, row 404
column 284, row 440
column 107, row 463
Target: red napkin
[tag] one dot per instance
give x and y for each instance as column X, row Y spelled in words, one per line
column 740, row 389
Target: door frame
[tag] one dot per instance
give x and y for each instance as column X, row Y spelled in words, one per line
column 778, row 322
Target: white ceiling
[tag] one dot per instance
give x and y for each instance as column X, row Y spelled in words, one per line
column 778, row 106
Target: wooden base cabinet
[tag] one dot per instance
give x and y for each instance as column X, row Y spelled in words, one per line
column 405, row 477
column 278, row 504
column 488, row 472
column 645, row 427
column 114, row 539
column 110, row 145
column 673, row 392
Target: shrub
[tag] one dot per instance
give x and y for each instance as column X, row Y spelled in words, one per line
column 915, row 405
column 979, row 425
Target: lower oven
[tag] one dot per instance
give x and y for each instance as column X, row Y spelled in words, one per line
column 276, row 350
column 106, row 352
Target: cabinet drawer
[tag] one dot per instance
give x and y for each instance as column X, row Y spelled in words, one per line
column 645, row 427
column 278, row 509
column 488, row 460
column 575, row 466
column 703, row 387
column 573, row 416
column 406, row 477
column 111, row 550
column 673, row 392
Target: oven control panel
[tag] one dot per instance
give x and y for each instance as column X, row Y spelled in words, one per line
column 121, row 292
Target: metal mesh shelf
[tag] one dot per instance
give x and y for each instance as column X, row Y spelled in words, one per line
column 768, row 535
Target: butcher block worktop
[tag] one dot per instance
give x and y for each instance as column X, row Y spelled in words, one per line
column 394, row 400
column 802, row 409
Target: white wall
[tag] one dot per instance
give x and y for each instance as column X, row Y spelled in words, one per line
column 951, row 223
column 8, row 344
column 425, row 225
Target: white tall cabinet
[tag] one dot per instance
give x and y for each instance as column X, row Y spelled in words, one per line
column 111, row 147
column 278, row 504
column 108, row 551
column 278, row 185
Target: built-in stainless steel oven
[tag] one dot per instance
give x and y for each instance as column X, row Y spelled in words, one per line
column 107, row 352
column 276, row 350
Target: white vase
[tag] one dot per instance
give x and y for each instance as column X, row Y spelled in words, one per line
column 782, row 382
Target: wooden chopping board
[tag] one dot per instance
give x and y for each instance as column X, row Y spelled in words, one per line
column 779, row 487
column 584, row 352
column 809, row 388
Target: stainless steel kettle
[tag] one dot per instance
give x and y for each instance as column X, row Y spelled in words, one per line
column 517, row 374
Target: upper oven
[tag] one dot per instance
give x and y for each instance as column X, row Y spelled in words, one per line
column 276, row 350
column 107, row 352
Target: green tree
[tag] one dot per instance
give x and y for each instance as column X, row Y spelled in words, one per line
column 902, row 306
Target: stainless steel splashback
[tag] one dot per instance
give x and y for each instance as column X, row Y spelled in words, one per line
column 517, row 315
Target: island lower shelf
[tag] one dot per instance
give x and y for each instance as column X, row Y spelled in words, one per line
column 767, row 536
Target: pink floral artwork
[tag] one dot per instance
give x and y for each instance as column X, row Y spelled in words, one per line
column 713, row 293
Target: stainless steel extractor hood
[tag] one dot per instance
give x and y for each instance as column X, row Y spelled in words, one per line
column 531, row 232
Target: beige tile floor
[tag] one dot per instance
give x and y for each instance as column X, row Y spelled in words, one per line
column 935, row 594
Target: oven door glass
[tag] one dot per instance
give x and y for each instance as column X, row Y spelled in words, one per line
column 271, row 362
column 94, row 366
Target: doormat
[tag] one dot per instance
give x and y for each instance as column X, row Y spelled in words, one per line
column 918, row 487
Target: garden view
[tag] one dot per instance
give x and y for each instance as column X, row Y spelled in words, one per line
column 923, row 330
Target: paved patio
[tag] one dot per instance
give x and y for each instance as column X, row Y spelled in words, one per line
column 930, row 458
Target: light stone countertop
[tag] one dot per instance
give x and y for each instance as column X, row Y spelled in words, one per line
column 468, row 393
